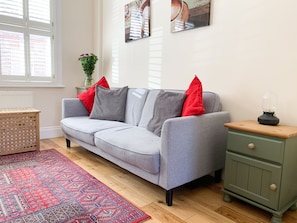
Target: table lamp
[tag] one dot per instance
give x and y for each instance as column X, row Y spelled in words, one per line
column 269, row 103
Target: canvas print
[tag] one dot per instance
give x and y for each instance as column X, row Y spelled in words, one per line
column 137, row 20
column 189, row 14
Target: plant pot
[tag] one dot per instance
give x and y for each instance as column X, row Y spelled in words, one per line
column 88, row 81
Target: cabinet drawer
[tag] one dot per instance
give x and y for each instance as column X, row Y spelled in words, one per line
column 266, row 148
column 256, row 180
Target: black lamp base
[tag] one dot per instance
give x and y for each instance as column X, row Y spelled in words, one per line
column 268, row 118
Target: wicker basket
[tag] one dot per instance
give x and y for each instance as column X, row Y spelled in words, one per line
column 19, row 130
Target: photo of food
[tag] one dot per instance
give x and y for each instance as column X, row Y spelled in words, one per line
column 189, row 14
column 137, row 20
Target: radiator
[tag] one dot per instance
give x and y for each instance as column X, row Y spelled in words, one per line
column 16, row 99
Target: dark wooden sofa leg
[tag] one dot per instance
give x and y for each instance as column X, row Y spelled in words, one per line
column 218, row 176
column 169, row 197
column 68, row 143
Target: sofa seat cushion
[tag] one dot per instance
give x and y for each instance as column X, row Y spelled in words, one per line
column 134, row 145
column 84, row 128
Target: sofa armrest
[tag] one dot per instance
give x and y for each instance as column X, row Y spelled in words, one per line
column 73, row 107
column 192, row 147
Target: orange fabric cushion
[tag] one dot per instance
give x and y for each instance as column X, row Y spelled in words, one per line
column 87, row 97
column 193, row 104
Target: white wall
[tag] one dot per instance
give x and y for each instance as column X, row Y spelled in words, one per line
column 249, row 48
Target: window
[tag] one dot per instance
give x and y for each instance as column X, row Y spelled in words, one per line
column 28, row 43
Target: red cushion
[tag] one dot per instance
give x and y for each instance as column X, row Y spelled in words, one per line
column 193, row 104
column 87, row 97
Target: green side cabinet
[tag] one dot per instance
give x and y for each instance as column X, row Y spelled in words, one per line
column 261, row 166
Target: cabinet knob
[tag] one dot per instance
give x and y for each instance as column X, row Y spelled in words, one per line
column 273, row 187
column 251, row 146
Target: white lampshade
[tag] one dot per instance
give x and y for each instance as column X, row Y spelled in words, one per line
column 269, row 102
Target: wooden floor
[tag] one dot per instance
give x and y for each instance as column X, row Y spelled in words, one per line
column 199, row 202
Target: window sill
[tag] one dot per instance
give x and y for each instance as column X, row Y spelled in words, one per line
column 32, row 85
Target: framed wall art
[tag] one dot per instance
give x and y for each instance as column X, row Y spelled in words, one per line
column 137, row 20
column 189, row 14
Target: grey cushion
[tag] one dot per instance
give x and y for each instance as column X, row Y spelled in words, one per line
column 167, row 105
column 109, row 104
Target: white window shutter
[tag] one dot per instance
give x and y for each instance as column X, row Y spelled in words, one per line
column 11, row 8
column 12, row 53
column 40, row 56
column 39, row 11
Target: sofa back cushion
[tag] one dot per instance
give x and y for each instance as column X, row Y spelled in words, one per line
column 134, row 105
column 148, row 108
column 211, row 101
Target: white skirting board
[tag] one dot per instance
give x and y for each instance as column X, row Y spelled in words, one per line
column 50, row 132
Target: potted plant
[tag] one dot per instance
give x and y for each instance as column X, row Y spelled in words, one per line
column 88, row 62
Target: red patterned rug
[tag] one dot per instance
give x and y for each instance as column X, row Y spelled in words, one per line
column 48, row 187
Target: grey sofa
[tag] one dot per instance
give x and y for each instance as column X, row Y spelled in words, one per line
column 188, row 148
